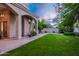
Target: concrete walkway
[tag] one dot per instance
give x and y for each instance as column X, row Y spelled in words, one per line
column 10, row 44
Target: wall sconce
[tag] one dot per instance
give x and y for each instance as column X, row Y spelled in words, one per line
column 29, row 21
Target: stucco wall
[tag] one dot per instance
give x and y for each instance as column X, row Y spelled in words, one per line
column 16, row 31
column 12, row 27
column 26, row 26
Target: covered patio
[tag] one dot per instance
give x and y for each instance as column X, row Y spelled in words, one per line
column 10, row 44
column 15, row 22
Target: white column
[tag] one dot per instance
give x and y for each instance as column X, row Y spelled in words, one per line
column 18, row 27
column 29, row 25
column 37, row 26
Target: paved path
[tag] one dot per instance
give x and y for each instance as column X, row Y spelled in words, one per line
column 9, row 44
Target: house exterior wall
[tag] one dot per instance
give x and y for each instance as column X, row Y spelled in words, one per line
column 12, row 26
column 15, row 21
column 4, row 19
column 26, row 26
column 32, row 25
column 20, row 13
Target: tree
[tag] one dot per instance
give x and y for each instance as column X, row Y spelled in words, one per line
column 41, row 25
column 68, row 16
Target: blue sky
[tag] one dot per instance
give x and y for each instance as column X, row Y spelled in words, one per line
column 42, row 10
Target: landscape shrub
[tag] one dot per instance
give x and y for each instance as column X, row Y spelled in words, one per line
column 71, row 33
column 33, row 33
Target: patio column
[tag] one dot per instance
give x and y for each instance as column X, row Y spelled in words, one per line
column 31, row 25
column 36, row 26
column 18, row 27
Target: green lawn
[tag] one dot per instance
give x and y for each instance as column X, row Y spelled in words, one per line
column 49, row 45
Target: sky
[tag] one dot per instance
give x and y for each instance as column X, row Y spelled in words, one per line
column 43, row 10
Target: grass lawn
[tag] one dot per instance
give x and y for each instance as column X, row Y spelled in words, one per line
column 49, row 45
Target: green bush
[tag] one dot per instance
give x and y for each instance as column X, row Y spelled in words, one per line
column 65, row 29
column 33, row 33
column 76, row 25
column 76, row 34
column 66, row 24
column 71, row 33
column 41, row 25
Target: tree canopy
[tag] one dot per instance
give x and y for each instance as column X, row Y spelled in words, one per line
column 41, row 25
column 68, row 16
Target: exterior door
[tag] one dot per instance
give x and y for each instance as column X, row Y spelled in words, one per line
column 3, row 29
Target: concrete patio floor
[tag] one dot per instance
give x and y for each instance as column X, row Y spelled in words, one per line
column 10, row 44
